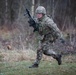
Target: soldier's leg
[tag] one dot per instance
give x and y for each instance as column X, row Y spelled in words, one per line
column 54, row 55
column 38, row 58
column 50, row 52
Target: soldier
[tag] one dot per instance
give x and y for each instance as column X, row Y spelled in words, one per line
column 49, row 32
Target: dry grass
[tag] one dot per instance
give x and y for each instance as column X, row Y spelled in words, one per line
column 14, row 55
column 17, row 55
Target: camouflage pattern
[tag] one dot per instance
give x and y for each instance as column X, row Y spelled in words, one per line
column 49, row 32
column 40, row 9
column 47, row 26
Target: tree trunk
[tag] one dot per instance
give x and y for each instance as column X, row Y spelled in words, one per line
column 32, row 9
column 6, row 12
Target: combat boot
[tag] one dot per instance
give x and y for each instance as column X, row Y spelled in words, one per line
column 58, row 58
column 35, row 65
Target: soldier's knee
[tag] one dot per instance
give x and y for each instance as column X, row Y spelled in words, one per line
column 45, row 52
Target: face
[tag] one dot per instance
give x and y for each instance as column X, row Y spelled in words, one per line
column 39, row 16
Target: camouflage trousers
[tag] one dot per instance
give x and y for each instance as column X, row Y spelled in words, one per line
column 44, row 48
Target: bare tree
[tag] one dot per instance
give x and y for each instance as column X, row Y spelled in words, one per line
column 6, row 11
column 32, row 8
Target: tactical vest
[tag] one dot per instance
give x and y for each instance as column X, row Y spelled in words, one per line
column 49, row 33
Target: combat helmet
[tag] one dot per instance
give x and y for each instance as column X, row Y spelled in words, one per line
column 41, row 10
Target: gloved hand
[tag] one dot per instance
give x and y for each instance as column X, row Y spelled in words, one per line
column 31, row 22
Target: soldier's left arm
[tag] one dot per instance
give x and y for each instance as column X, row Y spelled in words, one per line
column 53, row 26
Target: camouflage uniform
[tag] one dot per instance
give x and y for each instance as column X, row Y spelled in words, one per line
column 49, row 32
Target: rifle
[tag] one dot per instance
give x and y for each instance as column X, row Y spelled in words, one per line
column 32, row 22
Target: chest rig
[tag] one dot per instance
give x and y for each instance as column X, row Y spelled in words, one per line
column 45, row 31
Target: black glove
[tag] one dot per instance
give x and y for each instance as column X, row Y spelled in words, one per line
column 31, row 22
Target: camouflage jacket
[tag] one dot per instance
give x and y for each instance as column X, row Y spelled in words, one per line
column 48, row 28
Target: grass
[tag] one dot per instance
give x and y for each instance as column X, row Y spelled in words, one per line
column 45, row 68
column 17, row 63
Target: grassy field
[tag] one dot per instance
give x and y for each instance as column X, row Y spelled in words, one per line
column 15, row 63
column 45, row 68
